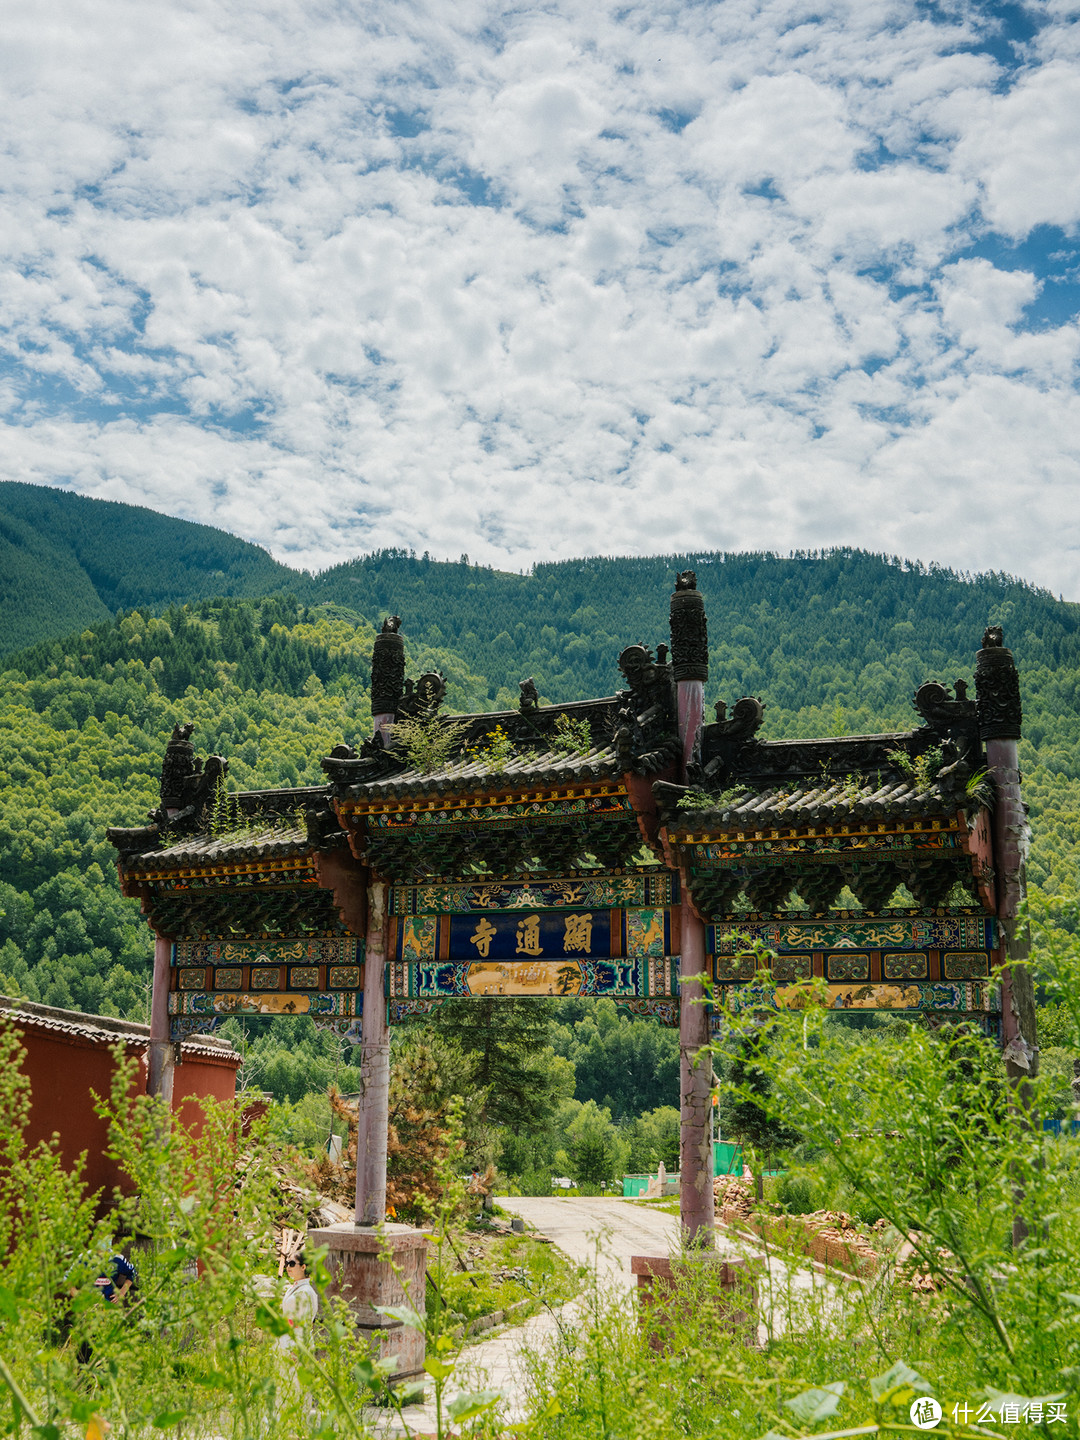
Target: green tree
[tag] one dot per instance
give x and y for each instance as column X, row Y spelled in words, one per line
column 654, row 1141
column 750, row 1118
column 505, row 1042
column 594, row 1149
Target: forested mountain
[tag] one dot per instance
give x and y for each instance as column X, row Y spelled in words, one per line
column 832, row 644
column 66, row 561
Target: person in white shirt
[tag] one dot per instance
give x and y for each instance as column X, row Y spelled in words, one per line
column 300, row 1303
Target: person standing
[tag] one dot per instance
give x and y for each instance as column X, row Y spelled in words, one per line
column 300, row 1303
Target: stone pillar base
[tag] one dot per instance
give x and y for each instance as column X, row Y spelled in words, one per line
column 730, row 1283
column 364, row 1281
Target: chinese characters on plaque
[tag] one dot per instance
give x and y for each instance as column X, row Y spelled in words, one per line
column 561, row 934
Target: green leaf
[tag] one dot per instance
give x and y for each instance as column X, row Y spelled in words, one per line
column 364, row 1374
column 896, row 1375
column 413, row 1393
column 471, row 1403
column 269, row 1319
column 549, row 1412
column 437, row 1369
column 168, row 1418
column 998, row 1398
column 8, row 1308
column 816, row 1404
column 46, row 1432
column 405, row 1313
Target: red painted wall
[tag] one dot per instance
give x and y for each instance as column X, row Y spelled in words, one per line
column 66, row 1070
column 63, row 1072
column 200, row 1078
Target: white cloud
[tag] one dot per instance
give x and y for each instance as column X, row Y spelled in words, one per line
column 532, row 282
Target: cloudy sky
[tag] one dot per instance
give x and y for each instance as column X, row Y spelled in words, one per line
column 536, row 280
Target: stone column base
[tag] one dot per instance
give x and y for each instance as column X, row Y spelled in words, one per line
column 363, row 1281
column 729, row 1281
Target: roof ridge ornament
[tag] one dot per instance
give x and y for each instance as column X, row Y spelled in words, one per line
column 388, row 668
column 689, row 630
column 997, row 686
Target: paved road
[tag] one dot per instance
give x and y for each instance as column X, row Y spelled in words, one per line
column 604, row 1233
column 600, row 1233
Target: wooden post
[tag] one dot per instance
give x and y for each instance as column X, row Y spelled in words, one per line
column 374, row 1109
column 690, row 664
column 161, row 1067
column 997, row 688
column 696, row 1204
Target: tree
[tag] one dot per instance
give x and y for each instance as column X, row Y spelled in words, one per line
column 654, row 1140
column 748, row 1086
column 626, row 1064
column 594, row 1149
column 505, row 1043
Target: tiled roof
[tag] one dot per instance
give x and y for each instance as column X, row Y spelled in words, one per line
column 536, row 768
column 792, row 806
column 271, row 842
column 102, row 1030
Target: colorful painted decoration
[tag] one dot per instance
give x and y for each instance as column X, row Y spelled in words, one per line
column 265, row 977
column 344, row 977
column 278, row 1002
column 566, row 976
column 905, row 966
column 648, row 889
column 536, row 934
column 343, row 950
column 303, row 977
column 228, row 978
column 786, row 969
column 956, row 932
column 935, row 995
column 966, row 966
column 850, row 966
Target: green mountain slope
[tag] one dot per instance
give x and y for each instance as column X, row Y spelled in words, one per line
column 66, row 561
column 831, row 643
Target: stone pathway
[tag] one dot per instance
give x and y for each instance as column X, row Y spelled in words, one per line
column 603, row 1234
column 595, row 1232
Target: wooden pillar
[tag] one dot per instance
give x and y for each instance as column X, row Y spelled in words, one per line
column 696, row 1204
column 374, row 1108
column 161, row 1067
column 690, row 664
column 997, row 688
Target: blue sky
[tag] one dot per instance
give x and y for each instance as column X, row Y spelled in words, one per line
column 530, row 281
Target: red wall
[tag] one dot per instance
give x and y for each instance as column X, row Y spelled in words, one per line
column 200, row 1078
column 66, row 1070
column 63, row 1070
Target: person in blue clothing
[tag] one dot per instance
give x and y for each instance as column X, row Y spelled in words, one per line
column 114, row 1283
column 118, row 1283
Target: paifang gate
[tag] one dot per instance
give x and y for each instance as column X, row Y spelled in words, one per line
column 620, row 846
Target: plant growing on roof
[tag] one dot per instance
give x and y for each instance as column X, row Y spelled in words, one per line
column 923, row 770
column 495, row 750
column 428, row 742
column 701, row 800
column 571, row 737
